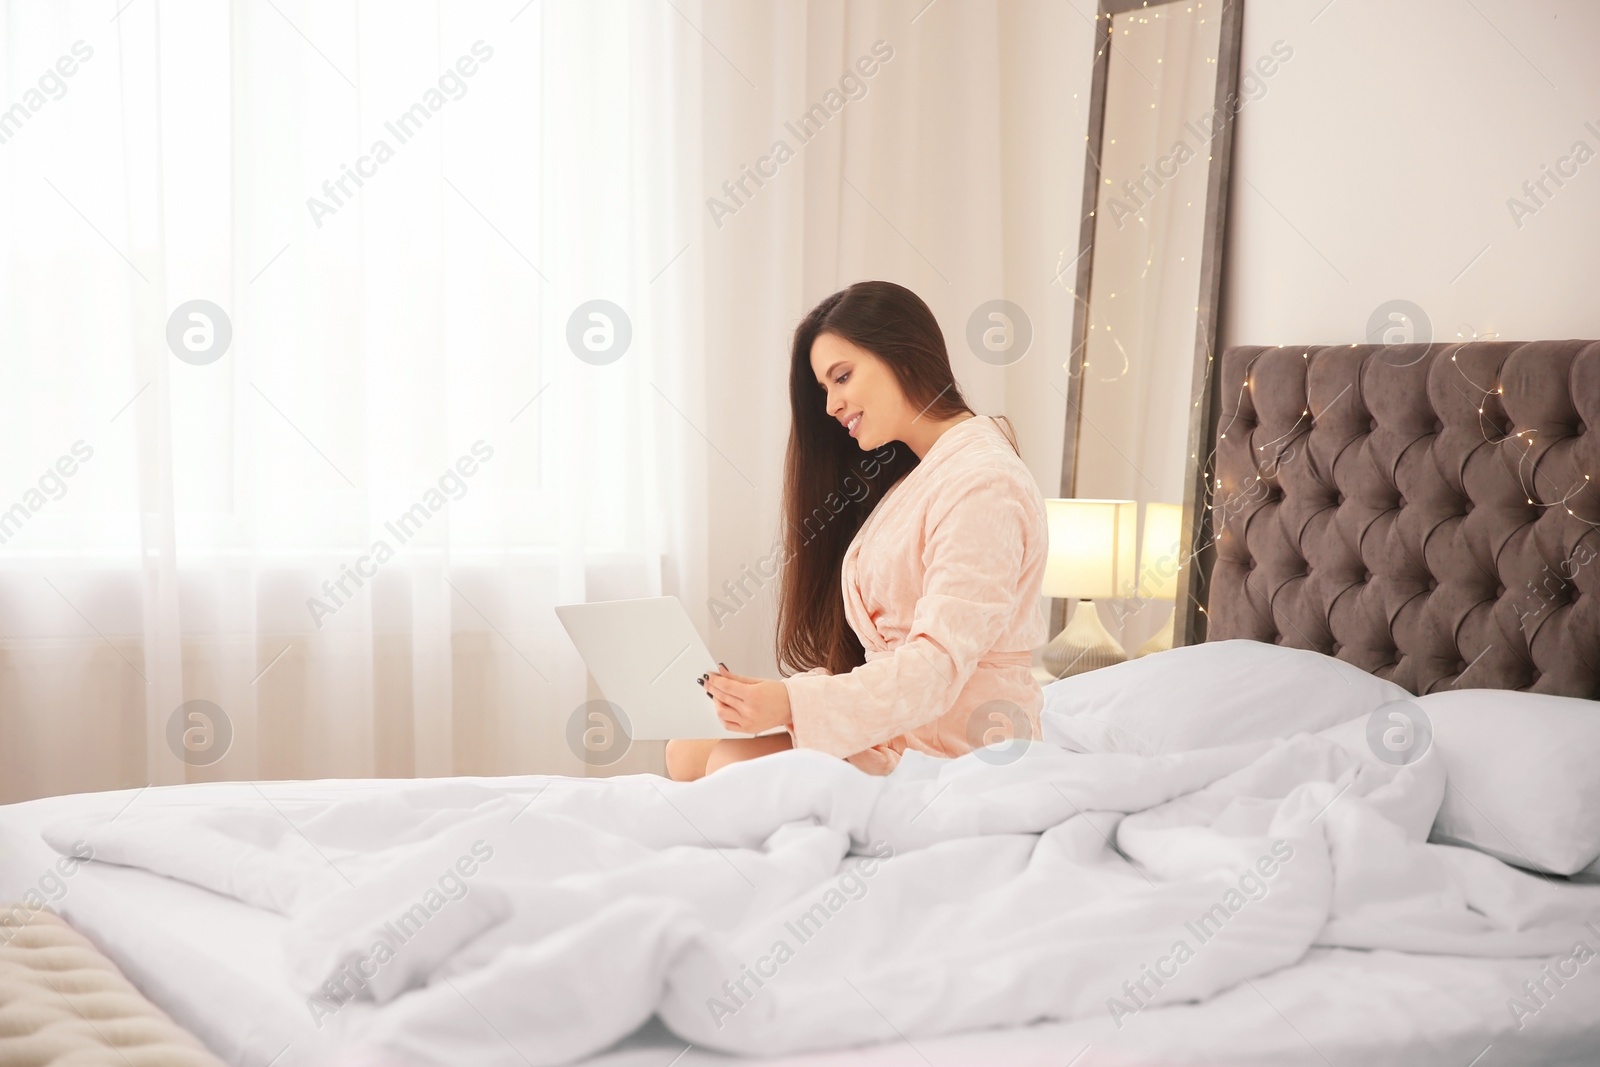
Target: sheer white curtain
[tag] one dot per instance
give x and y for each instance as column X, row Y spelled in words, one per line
column 396, row 208
column 347, row 529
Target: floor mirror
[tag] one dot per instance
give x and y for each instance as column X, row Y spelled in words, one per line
column 1163, row 104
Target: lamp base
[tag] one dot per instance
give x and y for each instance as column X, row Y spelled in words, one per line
column 1161, row 640
column 1084, row 644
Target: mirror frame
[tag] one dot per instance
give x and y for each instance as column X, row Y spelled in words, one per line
column 1189, row 621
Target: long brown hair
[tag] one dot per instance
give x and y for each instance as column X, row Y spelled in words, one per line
column 829, row 485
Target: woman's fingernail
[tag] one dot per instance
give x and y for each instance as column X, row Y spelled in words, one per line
column 724, row 666
column 708, row 694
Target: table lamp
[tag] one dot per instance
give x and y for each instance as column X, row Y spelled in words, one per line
column 1092, row 550
column 1160, row 558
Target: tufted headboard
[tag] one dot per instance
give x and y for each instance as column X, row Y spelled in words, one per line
column 1428, row 512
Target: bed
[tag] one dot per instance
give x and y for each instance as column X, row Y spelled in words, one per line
column 213, row 963
column 1357, row 578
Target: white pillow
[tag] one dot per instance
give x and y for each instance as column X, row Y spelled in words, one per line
column 1201, row 696
column 1524, row 776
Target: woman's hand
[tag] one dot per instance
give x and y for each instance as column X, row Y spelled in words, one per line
column 748, row 705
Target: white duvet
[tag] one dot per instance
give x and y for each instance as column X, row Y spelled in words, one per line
column 794, row 903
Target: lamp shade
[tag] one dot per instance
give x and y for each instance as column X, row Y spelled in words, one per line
column 1161, row 551
column 1093, row 544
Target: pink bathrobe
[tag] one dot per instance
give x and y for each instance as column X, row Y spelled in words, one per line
column 942, row 585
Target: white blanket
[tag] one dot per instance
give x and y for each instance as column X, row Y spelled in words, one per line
column 794, row 903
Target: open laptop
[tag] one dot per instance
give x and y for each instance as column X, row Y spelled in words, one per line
column 647, row 657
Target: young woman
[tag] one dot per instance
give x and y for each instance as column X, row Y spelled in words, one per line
column 914, row 557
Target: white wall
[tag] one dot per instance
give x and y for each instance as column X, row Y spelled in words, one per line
column 1379, row 163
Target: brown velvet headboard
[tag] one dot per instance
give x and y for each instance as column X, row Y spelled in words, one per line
column 1366, row 508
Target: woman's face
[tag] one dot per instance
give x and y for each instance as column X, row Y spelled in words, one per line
column 861, row 384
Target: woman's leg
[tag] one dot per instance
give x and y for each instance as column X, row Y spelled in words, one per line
column 686, row 758
column 733, row 749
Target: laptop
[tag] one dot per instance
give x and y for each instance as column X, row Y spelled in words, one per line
column 647, row 657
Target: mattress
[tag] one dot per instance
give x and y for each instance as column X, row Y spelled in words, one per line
column 216, row 966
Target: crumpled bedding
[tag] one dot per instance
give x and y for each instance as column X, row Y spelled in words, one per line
column 794, row 903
